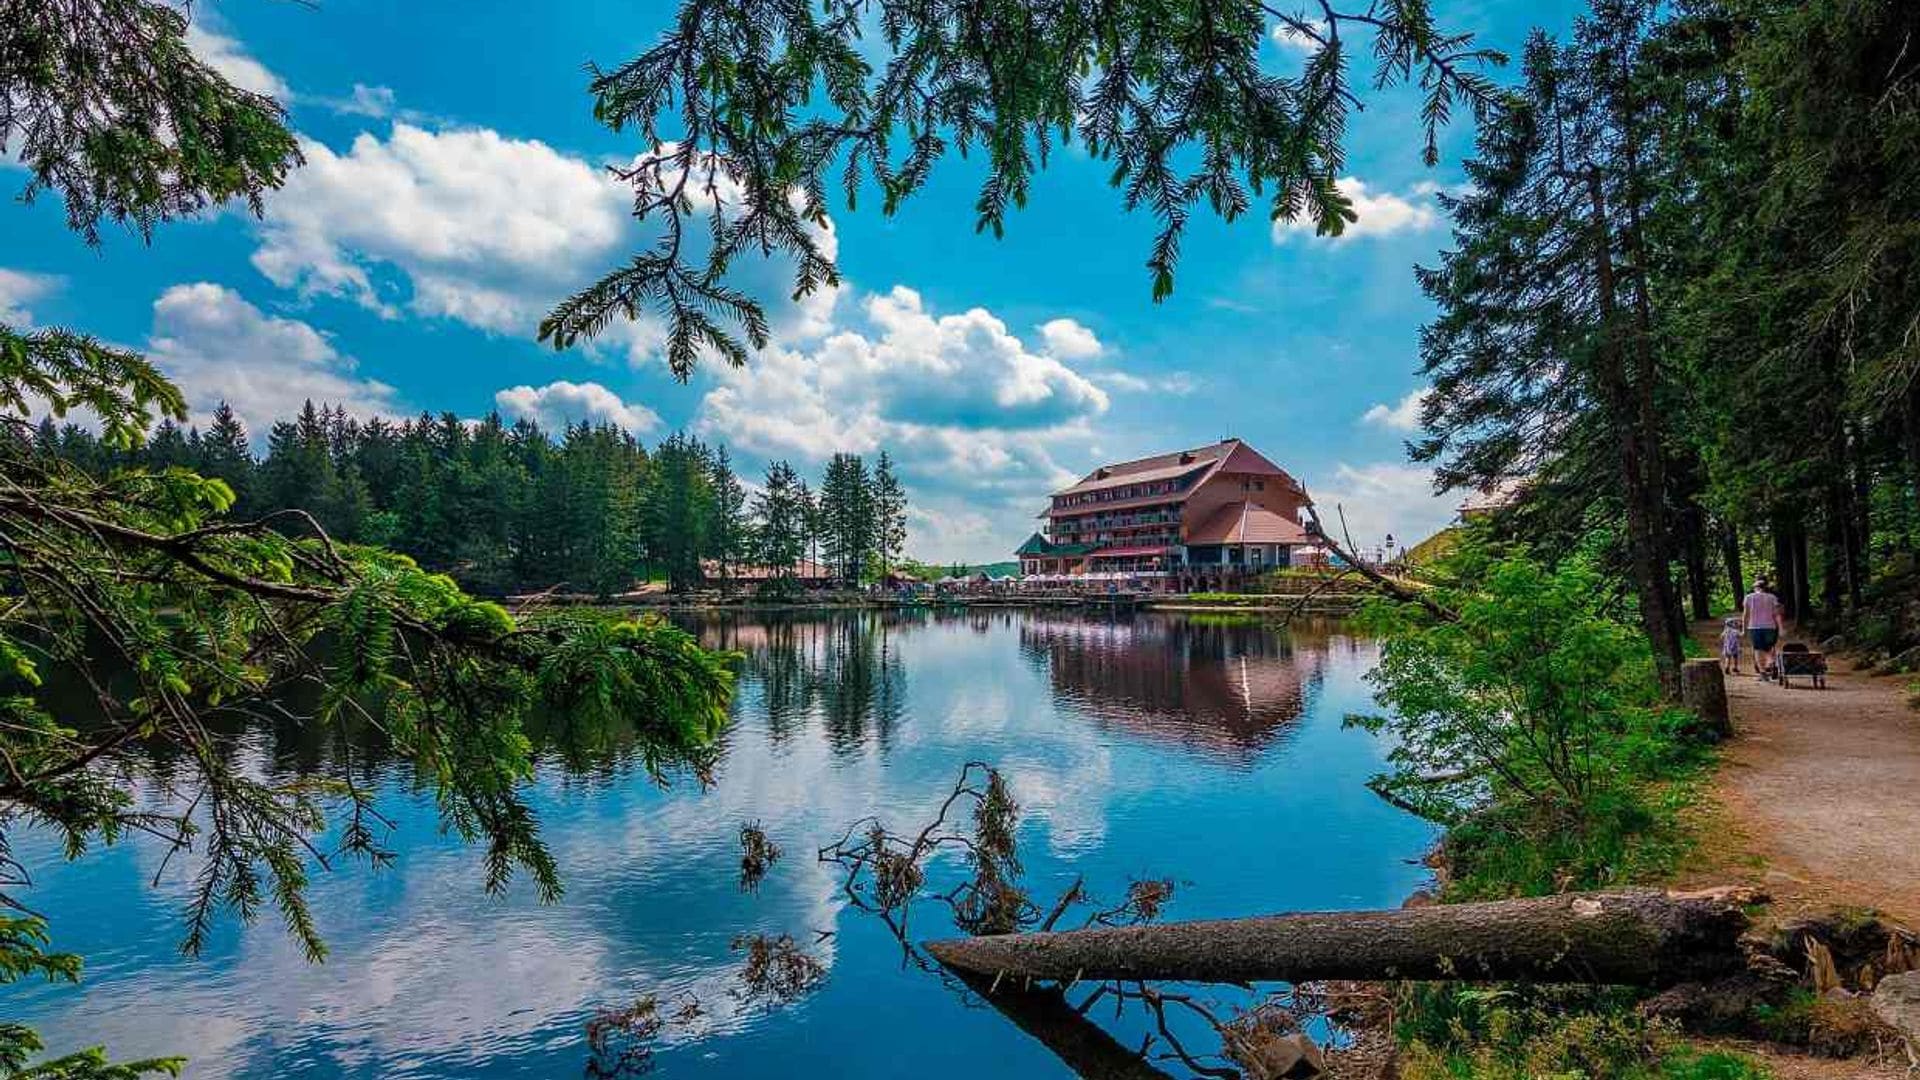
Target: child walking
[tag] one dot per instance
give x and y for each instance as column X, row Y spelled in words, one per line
column 1730, row 647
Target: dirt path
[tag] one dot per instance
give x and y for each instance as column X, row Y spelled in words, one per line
column 1819, row 793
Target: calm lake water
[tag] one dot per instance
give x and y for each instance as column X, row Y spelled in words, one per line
column 1149, row 746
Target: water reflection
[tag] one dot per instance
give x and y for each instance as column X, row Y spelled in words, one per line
column 1226, row 688
column 1115, row 734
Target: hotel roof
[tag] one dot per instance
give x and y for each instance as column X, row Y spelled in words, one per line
column 1246, row 523
column 1229, row 454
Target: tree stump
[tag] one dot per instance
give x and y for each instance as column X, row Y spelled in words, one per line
column 1703, row 691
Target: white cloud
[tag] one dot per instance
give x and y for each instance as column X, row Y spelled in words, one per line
column 1068, row 340
column 481, row 228
column 216, row 346
column 560, row 403
column 1381, row 498
column 474, row 220
column 1178, row 384
column 973, row 415
column 1404, row 416
column 374, row 101
column 228, row 57
column 1380, row 213
column 18, row 288
column 1291, row 39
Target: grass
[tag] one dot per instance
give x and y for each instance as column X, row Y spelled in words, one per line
column 1452, row 1032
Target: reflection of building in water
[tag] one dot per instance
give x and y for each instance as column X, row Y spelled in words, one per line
column 1226, row 689
column 844, row 668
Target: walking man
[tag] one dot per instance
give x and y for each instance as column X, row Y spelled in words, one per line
column 1761, row 612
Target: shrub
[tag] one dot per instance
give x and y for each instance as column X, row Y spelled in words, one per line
column 1531, row 726
column 1451, row 1032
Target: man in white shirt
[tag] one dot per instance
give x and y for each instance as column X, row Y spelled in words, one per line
column 1760, row 611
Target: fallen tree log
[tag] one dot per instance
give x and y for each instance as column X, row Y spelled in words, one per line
column 1637, row 937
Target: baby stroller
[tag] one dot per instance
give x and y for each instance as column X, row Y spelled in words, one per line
column 1795, row 658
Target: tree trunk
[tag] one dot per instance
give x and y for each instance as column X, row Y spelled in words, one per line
column 1699, row 589
column 1802, row 575
column 1637, row 937
column 1783, row 562
column 1833, row 548
column 1910, row 417
column 1730, row 555
column 1630, row 411
column 1859, row 523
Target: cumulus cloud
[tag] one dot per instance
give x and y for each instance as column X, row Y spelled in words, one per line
column 476, row 227
column 974, row 416
column 1401, row 416
column 1068, row 340
column 1380, row 498
column 216, row 346
column 560, row 403
column 19, row 288
column 1380, row 213
column 471, row 218
column 228, row 57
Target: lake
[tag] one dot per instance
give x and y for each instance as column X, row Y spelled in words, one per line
column 1201, row 748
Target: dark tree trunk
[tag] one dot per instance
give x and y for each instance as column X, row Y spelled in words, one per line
column 1833, row 549
column 1699, row 589
column 1802, row 572
column 1783, row 561
column 1630, row 408
column 1910, row 423
column 1633, row 937
column 1860, row 524
column 1794, row 587
column 1730, row 555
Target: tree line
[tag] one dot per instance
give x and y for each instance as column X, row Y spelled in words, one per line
column 511, row 507
column 1678, row 311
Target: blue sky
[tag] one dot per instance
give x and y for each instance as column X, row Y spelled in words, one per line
column 454, row 190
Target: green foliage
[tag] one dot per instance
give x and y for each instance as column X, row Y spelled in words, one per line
column 847, row 522
column 104, row 103
column 785, row 513
column 1455, row 1032
column 1530, row 725
column 504, row 509
column 214, row 617
column 748, row 111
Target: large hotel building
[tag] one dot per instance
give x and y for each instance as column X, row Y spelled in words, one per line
column 1213, row 511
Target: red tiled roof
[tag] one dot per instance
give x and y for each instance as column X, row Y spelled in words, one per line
column 1229, row 455
column 1149, row 469
column 1245, row 523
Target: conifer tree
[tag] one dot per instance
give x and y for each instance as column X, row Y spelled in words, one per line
column 780, row 512
column 889, row 513
column 225, row 454
column 728, row 535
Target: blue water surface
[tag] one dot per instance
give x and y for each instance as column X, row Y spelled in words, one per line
column 1158, row 745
